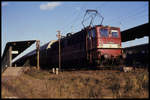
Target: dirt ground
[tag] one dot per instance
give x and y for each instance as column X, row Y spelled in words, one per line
column 77, row 84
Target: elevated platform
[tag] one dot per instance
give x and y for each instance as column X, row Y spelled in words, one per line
column 13, row 71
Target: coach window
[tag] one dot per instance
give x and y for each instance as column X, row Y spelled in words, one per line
column 114, row 33
column 104, row 32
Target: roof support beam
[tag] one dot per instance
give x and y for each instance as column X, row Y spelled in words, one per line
column 10, row 57
column 38, row 53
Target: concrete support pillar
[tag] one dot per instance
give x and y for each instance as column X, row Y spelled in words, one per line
column 38, row 53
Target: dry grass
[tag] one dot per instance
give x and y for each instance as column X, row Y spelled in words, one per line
column 78, row 84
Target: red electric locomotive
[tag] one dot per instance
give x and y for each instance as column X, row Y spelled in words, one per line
column 104, row 45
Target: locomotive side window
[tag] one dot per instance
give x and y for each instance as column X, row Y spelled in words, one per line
column 89, row 33
column 114, row 33
column 104, row 32
column 93, row 33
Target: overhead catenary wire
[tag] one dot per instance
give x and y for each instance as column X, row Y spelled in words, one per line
column 83, row 9
column 130, row 12
column 125, row 17
column 69, row 24
column 75, row 20
column 101, row 6
column 131, row 18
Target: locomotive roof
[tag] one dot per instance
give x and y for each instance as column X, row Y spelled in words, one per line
column 106, row 26
column 84, row 29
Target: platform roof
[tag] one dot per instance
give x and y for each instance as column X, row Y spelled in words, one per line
column 135, row 32
column 18, row 46
column 33, row 52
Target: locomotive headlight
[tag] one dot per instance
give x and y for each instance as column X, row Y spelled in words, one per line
column 100, row 45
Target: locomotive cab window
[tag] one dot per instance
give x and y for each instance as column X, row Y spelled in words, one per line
column 104, row 32
column 114, row 33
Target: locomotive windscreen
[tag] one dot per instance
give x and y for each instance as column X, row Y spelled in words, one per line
column 104, row 32
column 114, row 33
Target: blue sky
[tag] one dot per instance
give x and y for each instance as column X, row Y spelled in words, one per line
column 41, row 20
